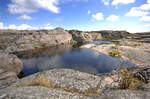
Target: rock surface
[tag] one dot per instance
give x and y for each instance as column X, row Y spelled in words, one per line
column 124, row 94
column 71, row 84
column 10, row 63
column 27, row 40
column 142, row 56
column 38, row 92
column 10, row 67
column 6, row 78
column 80, row 37
column 138, row 54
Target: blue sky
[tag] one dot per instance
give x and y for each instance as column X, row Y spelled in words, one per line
column 130, row 15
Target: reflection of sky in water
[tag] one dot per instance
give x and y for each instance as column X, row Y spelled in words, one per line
column 84, row 60
column 101, row 42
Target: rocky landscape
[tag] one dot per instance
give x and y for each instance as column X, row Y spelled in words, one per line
column 122, row 83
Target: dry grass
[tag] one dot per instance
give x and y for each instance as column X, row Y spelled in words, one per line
column 116, row 52
column 129, row 81
column 43, row 81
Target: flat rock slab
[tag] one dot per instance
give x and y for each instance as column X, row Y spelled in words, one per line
column 71, row 81
column 124, row 94
column 38, row 92
column 140, row 55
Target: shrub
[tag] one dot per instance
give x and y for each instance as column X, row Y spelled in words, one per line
column 129, row 81
column 115, row 53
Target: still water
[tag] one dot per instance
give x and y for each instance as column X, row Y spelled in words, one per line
column 66, row 56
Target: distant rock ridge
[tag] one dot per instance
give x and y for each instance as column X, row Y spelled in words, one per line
column 23, row 40
column 15, row 40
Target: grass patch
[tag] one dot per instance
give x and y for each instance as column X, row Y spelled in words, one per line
column 115, row 53
column 129, row 81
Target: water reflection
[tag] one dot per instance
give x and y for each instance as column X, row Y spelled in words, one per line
column 84, row 60
column 101, row 42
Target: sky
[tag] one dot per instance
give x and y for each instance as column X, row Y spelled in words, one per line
column 130, row 15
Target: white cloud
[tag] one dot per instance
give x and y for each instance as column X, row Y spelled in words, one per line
column 145, row 18
column 98, row 16
column 135, row 11
column 89, row 12
column 1, row 25
column 24, row 17
column 73, row 0
column 112, row 18
column 25, row 27
column 106, row 2
column 145, row 6
column 148, row 1
column 20, row 27
column 29, row 6
column 116, row 2
column 139, row 28
column 46, row 27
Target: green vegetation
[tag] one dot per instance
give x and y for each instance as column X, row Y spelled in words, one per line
column 129, row 81
column 115, row 52
column 111, row 38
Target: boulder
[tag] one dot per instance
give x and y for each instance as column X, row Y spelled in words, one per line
column 6, row 78
column 10, row 67
column 10, row 63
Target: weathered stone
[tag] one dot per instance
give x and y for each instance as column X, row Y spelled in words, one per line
column 7, row 78
column 38, row 92
column 10, row 63
column 124, row 94
column 28, row 40
column 67, row 83
column 142, row 56
column 72, row 81
column 80, row 37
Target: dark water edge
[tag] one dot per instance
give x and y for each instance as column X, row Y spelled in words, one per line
column 66, row 56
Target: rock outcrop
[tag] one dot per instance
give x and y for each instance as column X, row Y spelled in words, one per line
column 10, row 67
column 71, row 84
column 38, row 92
column 124, row 94
column 114, row 34
column 136, row 52
column 15, row 41
column 10, row 63
column 83, row 37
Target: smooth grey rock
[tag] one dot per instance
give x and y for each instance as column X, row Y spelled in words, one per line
column 38, row 92
column 140, row 55
column 10, row 63
column 7, row 78
column 72, row 80
column 124, row 94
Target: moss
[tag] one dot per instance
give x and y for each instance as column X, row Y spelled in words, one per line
column 129, row 81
